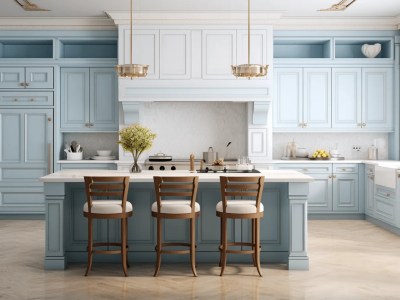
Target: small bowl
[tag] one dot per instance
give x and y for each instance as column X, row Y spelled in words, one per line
column 104, row 152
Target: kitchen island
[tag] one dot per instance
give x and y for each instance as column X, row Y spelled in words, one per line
column 283, row 228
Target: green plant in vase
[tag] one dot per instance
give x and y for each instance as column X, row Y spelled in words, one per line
column 136, row 139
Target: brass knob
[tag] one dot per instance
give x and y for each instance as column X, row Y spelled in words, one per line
column 343, row 169
column 22, row 84
column 330, row 176
column 300, row 125
column 305, row 170
column 49, row 119
column 358, row 124
column 26, row 84
column 363, row 124
column 87, row 124
column 91, row 124
column 15, row 99
column 304, row 124
column 334, row 176
column 387, row 195
column 32, row 99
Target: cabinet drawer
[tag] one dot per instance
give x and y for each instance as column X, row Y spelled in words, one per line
column 26, row 98
column 306, row 168
column 385, row 210
column 345, row 168
column 385, row 192
column 12, row 199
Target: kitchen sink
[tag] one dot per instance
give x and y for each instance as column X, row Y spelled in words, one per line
column 386, row 174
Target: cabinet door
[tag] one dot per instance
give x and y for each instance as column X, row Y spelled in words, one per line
column 258, row 50
column 369, row 194
column 26, row 145
column 320, row 193
column 317, row 108
column 377, row 93
column 175, row 54
column 345, row 192
column 12, row 78
column 74, row 99
column 145, row 49
column 288, row 98
column 39, row 78
column 346, row 102
column 103, row 104
column 219, row 53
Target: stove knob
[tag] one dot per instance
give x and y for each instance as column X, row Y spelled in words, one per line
column 173, row 168
column 151, row 168
column 162, row 168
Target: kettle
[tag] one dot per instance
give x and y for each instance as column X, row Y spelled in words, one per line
column 210, row 156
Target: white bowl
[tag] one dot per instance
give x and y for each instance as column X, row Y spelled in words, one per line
column 371, row 51
column 104, row 152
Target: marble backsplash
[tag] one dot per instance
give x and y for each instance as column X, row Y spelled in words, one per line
column 183, row 128
column 327, row 141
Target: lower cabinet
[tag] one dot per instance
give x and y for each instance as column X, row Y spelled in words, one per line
column 26, row 142
column 142, row 229
column 334, row 189
column 369, row 181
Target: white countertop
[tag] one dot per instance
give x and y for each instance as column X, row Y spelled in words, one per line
column 147, row 176
column 87, row 161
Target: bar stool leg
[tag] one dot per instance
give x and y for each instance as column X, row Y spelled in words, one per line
column 193, row 246
column 158, row 247
column 253, row 240
column 220, row 244
column 126, row 228
column 224, row 246
column 89, row 247
column 123, row 246
column 257, row 248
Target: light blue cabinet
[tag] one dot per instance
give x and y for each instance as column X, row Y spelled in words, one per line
column 334, row 189
column 369, row 181
column 302, row 98
column 26, row 77
column 25, row 155
column 89, row 99
column 362, row 99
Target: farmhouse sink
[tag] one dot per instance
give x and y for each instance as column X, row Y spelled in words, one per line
column 386, row 174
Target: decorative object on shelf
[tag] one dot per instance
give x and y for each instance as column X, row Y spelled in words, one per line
column 29, row 6
column 342, row 5
column 320, row 154
column 371, row 51
column 132, row 70
column 136, row 139
column 74, row 151
column 249, row 70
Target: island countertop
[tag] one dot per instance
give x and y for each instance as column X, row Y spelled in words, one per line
column 147, row 176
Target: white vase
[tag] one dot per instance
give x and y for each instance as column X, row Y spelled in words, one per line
column 371, row 51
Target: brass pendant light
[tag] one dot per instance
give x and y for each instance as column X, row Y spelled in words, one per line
column 249, row 70
column 132, row 70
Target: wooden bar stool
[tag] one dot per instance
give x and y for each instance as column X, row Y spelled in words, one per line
column 241, row 199
column 107, row 199
column 179, row 202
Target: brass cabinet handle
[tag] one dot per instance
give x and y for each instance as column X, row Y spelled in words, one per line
column 305, row 170
column 330, row 176
column 304, row 124
column 387, row 194
column 26, row 84
column 300, row 125
column 87, row 124
column 364, row 125
column 49, row 119
column 344, row 169
column 359, row 125
column 372, row 177
column 333, row 176
column 22, row 84
column 15, row 99
column 91, row 124
column 32, row 99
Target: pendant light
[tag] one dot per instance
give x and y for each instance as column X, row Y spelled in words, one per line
column 132, row 70
column 249, row 70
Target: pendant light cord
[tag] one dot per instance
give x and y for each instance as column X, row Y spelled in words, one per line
column 248, row 32
column 131, row 29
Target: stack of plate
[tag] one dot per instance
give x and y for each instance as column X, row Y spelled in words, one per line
column 103, row 155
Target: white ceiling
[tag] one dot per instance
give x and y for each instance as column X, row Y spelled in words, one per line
column 288, row 8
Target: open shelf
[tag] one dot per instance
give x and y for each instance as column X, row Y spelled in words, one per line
column 302, row 48
column 351, row 48
column 88, row 49
column 26, row 48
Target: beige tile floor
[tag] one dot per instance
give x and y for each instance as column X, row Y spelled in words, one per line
column 348, row 260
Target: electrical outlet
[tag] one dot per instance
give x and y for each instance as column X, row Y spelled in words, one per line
column 356, row 148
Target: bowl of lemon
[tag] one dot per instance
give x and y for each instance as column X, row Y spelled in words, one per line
column 320, row 154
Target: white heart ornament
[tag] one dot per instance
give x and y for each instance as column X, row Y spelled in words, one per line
column 371, row 51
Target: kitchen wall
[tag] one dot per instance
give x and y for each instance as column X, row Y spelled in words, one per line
column 92, row 142
column 327, row 140
column 191, row 127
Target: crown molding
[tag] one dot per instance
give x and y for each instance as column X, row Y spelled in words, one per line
column 199, row 17
column 56, row 23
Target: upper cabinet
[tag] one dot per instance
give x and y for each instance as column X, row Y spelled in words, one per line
column 363, row 99
column 302, row 98
column 88, row 99
column 193, row 63
column 354, row 99
column 26, row 78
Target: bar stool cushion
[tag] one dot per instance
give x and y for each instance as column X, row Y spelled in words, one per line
column 240, row 207
column 175, row 207
column 107, row 207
